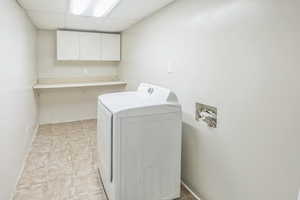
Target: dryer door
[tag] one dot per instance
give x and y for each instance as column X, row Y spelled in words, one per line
column 104, row 145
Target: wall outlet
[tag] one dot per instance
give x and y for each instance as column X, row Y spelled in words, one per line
column 85, row 71
column 170, row 67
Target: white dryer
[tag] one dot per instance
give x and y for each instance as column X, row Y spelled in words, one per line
column 139, row 144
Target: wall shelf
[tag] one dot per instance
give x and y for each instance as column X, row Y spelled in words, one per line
column 40, row 86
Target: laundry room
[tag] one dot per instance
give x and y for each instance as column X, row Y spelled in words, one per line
column 149, row 100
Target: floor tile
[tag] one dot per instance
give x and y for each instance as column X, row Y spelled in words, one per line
column 61, row 165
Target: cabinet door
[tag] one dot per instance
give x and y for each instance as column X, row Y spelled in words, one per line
column 67, row 45
column 111, row 47
column 90, row 46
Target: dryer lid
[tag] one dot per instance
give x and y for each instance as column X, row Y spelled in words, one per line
column 146, row 95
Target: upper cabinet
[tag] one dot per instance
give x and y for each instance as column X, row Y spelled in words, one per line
column 90, row 46
column 111, row 49
column 87, row 46
column 67, row 45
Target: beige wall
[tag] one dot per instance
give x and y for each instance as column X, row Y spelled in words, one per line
column 62, row 105
column 18, row 110
column 241, row 56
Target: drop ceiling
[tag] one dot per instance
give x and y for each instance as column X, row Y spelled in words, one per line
column 54, row 14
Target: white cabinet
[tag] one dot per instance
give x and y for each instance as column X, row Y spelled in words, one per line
column 88, row 46
column 111, row 50
column 67, row 45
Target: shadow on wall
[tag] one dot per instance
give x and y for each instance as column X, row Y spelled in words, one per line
column 202, row 152
column 190, row 138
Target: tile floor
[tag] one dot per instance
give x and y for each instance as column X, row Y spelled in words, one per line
column 61, row 165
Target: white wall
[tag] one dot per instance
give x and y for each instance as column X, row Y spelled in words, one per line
column 241, row 56
column 63, row 105
column 18, row 110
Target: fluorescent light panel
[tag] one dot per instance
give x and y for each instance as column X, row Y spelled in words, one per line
column 92, row 8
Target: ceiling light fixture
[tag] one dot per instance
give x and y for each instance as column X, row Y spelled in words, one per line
column 92, row 8
column 77, row 7
column 104, row 7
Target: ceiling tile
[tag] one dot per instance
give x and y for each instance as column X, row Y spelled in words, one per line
column 118, row 25
column 53, row 14
column 47, row 20
column 45, row 5
column 82, row 23
column 137, row 9
column 97, row 24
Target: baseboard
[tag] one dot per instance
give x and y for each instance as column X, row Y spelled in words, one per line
column 27, row 151
column 66, row 121
column 190, row 190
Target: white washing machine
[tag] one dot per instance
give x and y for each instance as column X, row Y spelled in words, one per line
column 139, row 144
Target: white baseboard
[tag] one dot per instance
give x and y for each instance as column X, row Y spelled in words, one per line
column 65, row 121
column 190, row 190
column 27, row 151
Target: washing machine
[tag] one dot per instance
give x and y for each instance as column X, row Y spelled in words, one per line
column 139, row 144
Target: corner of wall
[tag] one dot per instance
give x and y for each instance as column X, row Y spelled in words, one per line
column 33, row 133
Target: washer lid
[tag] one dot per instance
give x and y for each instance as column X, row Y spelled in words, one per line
column 147, row 95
